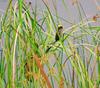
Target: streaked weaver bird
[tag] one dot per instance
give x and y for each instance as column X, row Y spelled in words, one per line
column 58, row 35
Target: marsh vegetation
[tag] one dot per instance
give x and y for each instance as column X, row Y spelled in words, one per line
column 39, row 52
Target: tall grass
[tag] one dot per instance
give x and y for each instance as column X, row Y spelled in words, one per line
column 32, row 58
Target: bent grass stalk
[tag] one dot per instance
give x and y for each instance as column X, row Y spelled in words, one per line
column 14, row 58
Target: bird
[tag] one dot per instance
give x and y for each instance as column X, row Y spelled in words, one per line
column 58, row 35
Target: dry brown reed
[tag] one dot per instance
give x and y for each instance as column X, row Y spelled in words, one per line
column 40, row 66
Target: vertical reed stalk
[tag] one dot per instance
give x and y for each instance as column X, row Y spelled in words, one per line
column 14, row 59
